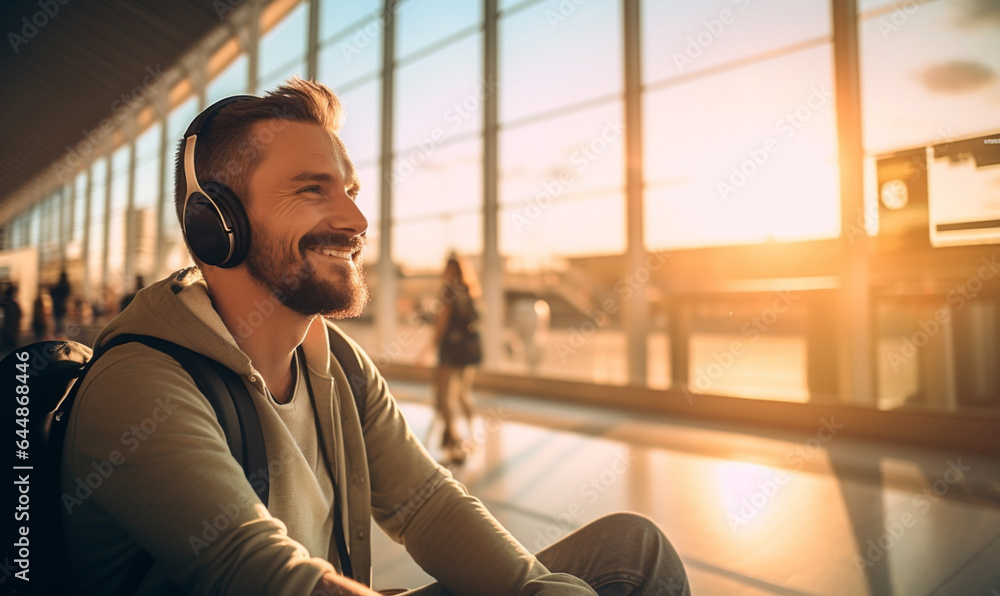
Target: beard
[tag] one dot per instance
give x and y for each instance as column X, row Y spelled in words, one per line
column 293, row 280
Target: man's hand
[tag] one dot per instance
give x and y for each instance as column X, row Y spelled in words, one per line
column 333, row 584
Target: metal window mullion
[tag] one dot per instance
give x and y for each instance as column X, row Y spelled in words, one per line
column 491, row 267
column 253, row 47
column 636, row 311
column 385, row 307
column 855, row 354
column 312, row 40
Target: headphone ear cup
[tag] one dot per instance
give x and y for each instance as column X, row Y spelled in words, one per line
column 232, row 209
column 205, row 231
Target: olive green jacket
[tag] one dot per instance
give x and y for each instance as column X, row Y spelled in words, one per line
column 146, row 465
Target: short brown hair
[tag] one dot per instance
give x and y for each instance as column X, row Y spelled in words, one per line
column 229, row 150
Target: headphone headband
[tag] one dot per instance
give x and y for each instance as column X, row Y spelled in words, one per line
column 202, row 120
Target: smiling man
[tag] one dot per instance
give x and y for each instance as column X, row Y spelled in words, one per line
column 266, row 196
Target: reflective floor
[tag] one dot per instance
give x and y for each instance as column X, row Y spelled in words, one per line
column 750, row 511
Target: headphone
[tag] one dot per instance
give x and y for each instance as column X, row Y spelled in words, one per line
column 214, row 221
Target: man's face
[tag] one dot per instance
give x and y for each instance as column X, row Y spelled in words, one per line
column 307, row 233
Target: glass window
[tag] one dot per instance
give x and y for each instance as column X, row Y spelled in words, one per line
column 45, row 236
column 506, row 5
column 361, row 132
column 440, row 96
column 575, row 152
column 437, row 205
column 546, row 64
column 581, row 225
column 944, row 59
column 929, row 90
column 368, row 202
column 147, row 174
column 337, row 16
column 561, row 185
column 58, row 216
column 692, row 35
column 147, row 146
column 99, row 170
column 118, row 215
column 420, row 23
column 16, row 233
column 177, row 123
column 231, row 81
column 35, row 225
column 283, row 48
column 79, row 205
column 743, row 156
column 293, row 69
column 347, row 60
column 881, row 6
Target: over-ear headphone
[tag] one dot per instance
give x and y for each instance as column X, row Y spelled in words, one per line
column 214, row 223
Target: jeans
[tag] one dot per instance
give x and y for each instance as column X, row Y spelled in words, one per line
column 621, row 553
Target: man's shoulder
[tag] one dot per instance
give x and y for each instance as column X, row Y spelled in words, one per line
column 133, row 360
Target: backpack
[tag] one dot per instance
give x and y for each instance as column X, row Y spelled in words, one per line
column 42, row 402
column 461, row 344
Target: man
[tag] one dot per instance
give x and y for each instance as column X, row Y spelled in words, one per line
column 174, row 490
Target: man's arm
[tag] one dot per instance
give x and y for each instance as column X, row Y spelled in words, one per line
column 448, row 532
column 332, row 583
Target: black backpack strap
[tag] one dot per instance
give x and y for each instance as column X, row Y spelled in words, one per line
column 224, row 389
column 348, row 359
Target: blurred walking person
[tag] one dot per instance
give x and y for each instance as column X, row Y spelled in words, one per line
column 60, row 298
column 10, row 334
column 128, row 298
column 460, row 349
column 39, row 318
